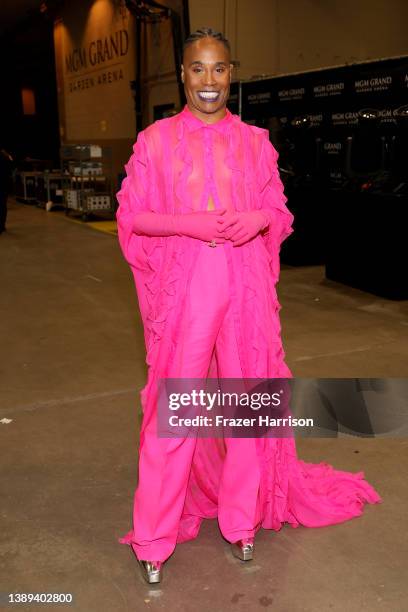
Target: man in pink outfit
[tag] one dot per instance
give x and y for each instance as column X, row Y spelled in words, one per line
column 201, row 219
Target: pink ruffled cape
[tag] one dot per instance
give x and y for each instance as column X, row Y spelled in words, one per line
column 161, row 177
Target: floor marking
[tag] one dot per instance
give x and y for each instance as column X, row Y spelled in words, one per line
column 66, row 400
column 93, row 278
column 335, row 353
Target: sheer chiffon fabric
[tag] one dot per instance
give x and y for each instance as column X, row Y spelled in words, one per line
column 176, row 164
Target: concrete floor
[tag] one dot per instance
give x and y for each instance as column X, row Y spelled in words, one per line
column 72, row 367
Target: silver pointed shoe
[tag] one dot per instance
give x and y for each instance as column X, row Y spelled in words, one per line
column 151, row 570
column 243, row 549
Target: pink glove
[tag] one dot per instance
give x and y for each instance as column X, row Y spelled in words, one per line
column 239, row 227
column 203, row 225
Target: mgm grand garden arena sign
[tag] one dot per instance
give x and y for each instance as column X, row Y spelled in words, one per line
column 87, row 66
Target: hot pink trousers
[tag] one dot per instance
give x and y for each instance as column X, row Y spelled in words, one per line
column 165, row 464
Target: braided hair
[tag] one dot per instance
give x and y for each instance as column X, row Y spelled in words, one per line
column 206, row 33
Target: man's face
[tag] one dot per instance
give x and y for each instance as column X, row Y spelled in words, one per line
column 206, row 72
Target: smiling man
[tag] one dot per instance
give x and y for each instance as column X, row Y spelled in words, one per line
column 201, row 218
column 207, row 73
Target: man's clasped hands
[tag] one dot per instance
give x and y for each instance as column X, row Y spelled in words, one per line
column 221, row 225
